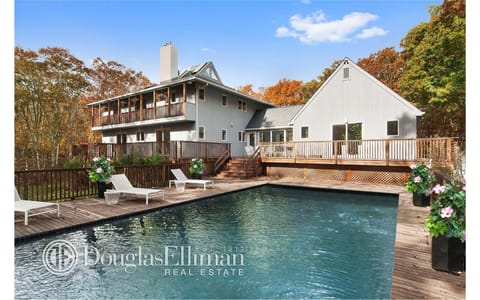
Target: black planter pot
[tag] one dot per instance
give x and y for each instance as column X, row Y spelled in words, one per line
column 196, row 176
column 420, row 199
column 448, row 254
column 102, row 187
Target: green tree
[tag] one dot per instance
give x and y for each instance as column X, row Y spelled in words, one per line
column 434, row 74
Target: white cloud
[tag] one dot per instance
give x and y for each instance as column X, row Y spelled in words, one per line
column 315, row 28
column 371, row 32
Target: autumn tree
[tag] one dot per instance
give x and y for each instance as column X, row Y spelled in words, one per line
column 285, row 92
column 385, row 65
column 48, row 86
column 309, row 88
column 434, row 74
column 248, row 90
column 110, row 79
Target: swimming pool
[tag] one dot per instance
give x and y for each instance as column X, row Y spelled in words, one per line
column 266, row 242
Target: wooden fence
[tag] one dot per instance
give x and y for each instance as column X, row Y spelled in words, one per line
column 68, row 184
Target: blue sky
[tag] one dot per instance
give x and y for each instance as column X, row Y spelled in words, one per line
column 257, row 42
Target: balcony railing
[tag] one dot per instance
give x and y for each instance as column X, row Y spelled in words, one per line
column 400, row 152
column 173, row 110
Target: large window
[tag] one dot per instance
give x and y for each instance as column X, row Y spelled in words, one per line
column 264, row 136
column 241, row 136
column 392, row 127
column 304, row 132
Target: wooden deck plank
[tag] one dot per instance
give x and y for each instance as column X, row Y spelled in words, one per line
column 412, row 278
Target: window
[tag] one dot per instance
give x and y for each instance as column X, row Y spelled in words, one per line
column 346, row 73
column 304, row 132
column 224, row 100
column 140, row 136
column 201, row 132
column 241, row 136
column 121, row 138
column 242, row 105
column 224, row 134
column 264, row 136
column 201, row 94
column 392, row 127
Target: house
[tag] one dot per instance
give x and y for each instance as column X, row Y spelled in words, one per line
column 350, row 105
column 191, row 105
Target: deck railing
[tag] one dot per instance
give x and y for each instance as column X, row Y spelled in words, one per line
column 173, row 150
column 442, row 151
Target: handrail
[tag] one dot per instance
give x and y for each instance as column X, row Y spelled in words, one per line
column 221, row 160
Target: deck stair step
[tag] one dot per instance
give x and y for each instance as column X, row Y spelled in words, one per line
column 241, row 167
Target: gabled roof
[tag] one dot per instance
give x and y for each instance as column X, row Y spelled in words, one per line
column 348, row 61
column 205, row 73
column 275, row 117
column 206, row 70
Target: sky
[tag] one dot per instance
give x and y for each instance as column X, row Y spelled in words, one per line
column 249, row 42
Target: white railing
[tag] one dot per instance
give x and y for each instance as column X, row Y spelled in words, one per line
column 441, row 150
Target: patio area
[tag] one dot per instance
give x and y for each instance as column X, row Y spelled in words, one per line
column 413, row 276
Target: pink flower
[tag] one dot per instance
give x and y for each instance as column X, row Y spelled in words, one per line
column 438, row 189
column 417, row 179
column 99, row 170
column 413, row 167
column 464, row 188
column 446, row 212
column 96, row 158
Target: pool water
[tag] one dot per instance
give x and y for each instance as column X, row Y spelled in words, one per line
column 266, row 242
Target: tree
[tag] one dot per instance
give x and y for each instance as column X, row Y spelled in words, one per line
column 385, row 65
column 434, row 74
column 285, row 92
column 248, row 90
column 110, row 79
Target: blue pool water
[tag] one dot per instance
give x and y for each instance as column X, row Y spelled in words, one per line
column 267, row 242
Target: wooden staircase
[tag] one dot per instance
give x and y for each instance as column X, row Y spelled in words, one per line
column 241, row 167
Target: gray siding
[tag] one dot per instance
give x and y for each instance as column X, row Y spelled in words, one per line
column 214, row 117
column 358, row 99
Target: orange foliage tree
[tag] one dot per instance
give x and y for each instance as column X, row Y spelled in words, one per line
column 285, row 92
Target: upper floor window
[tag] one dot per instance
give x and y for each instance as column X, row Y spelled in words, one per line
column 224, row 100
column 346, row 73
column 392, row 127
column 242, row 105
column 140, row 136
column 201, row 94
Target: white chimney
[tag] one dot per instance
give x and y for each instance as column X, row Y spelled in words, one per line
column 168, row 62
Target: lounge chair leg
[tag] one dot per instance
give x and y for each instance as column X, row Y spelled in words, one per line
column 26, row 218
column 58, row 210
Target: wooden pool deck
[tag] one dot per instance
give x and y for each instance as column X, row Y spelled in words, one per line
column 413, row 277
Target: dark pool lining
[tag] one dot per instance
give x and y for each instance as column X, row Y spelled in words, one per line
column 37, row 236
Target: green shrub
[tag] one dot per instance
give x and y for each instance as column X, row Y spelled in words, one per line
column 156, row 159
column 74, row 163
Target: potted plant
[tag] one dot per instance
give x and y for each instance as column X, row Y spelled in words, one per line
column 419, row 182
column 196, row 168
column 446, row 224
column 101, row 172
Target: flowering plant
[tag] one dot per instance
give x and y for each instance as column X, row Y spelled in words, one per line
column 420, row 179
column 197, row 166
column 447, row 212
column 101, row 170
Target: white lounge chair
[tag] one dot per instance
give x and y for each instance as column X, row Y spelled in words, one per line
column 178, row 173
column 40, row 207
column 122, row 185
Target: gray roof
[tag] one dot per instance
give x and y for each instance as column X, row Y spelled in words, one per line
column 275, row 117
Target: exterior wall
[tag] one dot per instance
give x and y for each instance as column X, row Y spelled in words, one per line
column 215, row 117
column 358, row 99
